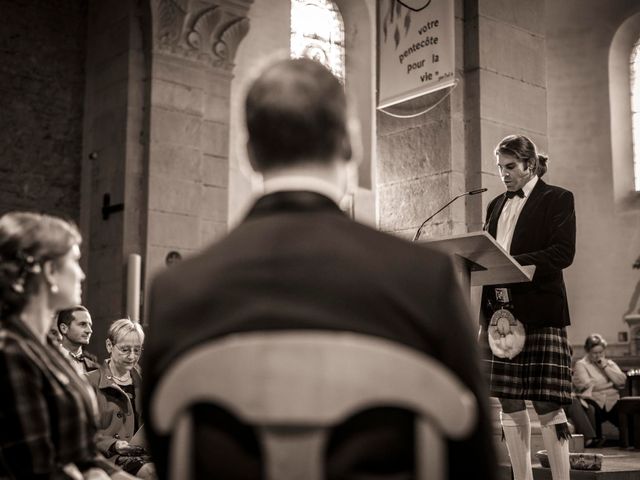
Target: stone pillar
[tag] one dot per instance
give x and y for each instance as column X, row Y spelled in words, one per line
column 505, row 93
column 506, row 84
column 194, row 44
column 421, row 160
column 633, row 322
column 113, row 156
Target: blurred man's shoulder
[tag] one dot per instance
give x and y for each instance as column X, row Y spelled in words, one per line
column 401, row 244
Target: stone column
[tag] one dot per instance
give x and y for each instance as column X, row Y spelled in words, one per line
column 506, row 85
column 505, row 93
column 194, row 44
column 421, row 160
column 114, row 156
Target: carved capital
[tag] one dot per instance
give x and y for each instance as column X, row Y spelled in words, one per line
column 203, row 30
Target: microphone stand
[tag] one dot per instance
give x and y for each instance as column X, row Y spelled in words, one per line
column 419, row 231
column 472, row 192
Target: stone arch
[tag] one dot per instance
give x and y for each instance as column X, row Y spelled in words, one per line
column 627, row 34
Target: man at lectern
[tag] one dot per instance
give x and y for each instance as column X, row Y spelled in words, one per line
column 297, row 262
column 523, row 334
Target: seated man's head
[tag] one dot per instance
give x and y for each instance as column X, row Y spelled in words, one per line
column 75, row 325
column 296, row 116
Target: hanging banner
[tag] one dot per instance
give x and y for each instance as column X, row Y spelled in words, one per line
column 416, row 52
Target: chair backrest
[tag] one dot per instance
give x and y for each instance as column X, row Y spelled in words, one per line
column 311, row 380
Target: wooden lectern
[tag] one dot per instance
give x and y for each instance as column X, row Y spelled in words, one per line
column 480, row 260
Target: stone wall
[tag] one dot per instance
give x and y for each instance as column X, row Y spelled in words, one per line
column 421, row 161
column 42, row 58
column 601, row 282
column 114, row 152
column 269, row 35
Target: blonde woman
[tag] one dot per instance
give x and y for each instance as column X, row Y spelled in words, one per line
column 117, row 383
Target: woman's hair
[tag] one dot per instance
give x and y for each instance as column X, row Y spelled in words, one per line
column 594, row 340
column 523, row 149
column 27, row 240
column 121, row 328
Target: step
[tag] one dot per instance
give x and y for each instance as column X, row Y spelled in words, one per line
column 618, row 464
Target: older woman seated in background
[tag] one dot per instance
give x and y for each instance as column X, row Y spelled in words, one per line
column 117, row 383
column 597, row 381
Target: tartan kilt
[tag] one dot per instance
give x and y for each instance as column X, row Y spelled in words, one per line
column 542, row 371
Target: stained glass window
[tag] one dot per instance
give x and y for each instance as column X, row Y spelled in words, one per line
column 317, row 32
column 635, row 111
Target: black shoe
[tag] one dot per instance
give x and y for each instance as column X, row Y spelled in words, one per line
column 594, row 443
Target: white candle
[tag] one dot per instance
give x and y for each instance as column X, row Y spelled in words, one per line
column 133, row 286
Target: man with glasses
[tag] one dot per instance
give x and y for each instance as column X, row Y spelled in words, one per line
column 74, row 325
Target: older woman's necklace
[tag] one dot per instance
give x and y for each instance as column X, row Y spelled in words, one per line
column 123, row 380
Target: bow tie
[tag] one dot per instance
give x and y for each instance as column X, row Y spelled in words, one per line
column 518, row 193
column 78, row 358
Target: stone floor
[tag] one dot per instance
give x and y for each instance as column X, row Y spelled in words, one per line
column 618, row 464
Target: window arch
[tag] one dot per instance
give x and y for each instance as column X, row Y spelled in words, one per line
column 624, row 104
column 635, row 110
column 317, row 32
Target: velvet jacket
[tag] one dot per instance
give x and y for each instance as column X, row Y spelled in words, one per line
column 297, row 262
column 544, row 236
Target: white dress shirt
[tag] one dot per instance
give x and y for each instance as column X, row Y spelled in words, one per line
column 510, row 213
column 78, row 365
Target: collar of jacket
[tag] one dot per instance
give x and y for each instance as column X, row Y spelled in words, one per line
column 106, row 377
column 293, row 201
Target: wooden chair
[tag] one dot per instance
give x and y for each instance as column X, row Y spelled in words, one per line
column 311, row 380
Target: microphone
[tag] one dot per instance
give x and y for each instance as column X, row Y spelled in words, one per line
column 470, row 192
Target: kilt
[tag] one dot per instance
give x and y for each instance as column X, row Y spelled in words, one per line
column 542, row 371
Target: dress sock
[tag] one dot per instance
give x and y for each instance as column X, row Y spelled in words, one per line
column 556, row 443
column 517, row 434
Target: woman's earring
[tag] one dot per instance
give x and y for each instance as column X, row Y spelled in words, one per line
column 54, row 288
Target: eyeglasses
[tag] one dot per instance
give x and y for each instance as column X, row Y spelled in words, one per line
column 137, row 351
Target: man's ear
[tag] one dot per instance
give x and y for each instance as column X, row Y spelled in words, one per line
column 64, row 328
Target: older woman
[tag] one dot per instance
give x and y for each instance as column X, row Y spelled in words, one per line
column 46, row 410
column 117, row 383
column 597, row 381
